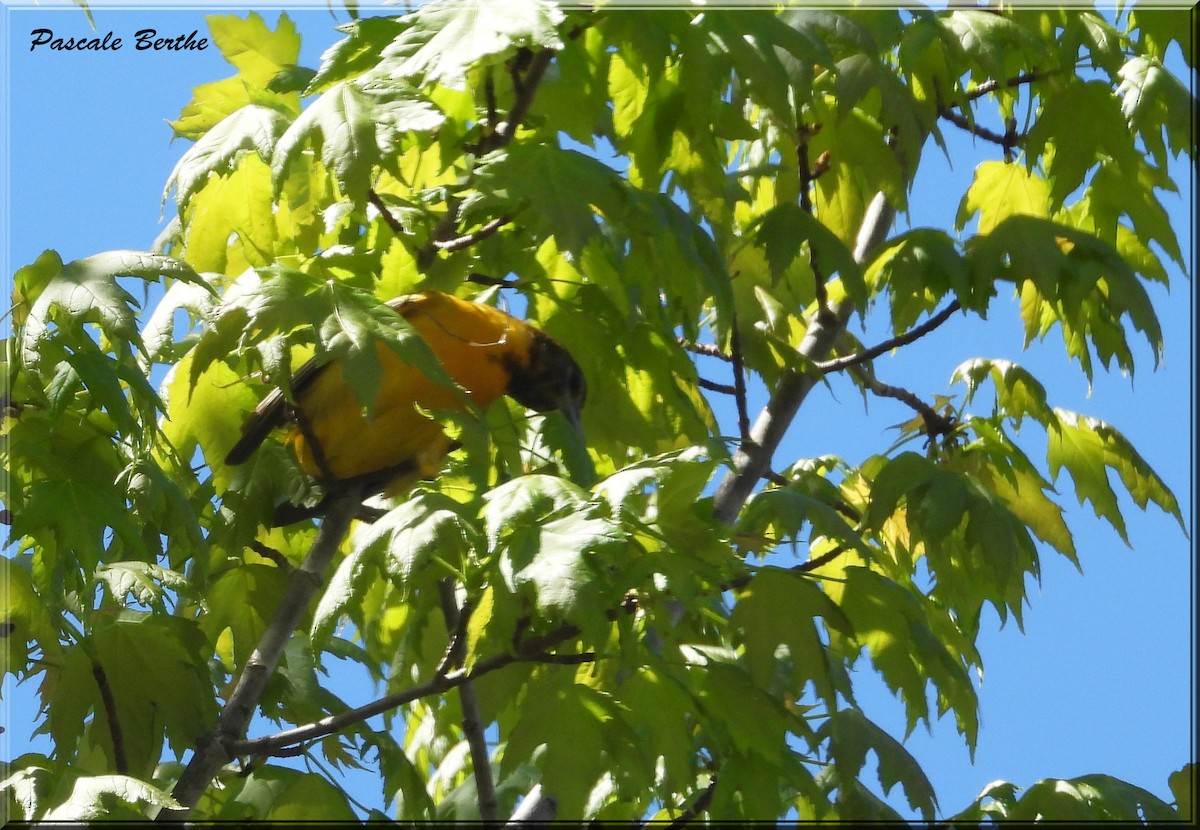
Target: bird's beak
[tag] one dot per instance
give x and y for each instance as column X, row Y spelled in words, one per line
column 575, row 454
column 571, row 412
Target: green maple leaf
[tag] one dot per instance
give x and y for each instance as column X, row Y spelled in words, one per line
column 444, row 39
column 994, row 42
column 240, row 601
column 252, row 128
column 1002, row 190
column 86, row 291
column 250, row 45
column 779, row 608
column 98, row 797
column 356, row 53
column 851, row 736
column 1089, row 798
column 560, row 563
column 526, row 500
column 557, row 192
column 584, row 732
column 918, row 268
column 144, row 581
column 1088, row 448
column 893, row 622
column 1076, row 151
column 1069, row 277
column 356, row 126
column 259, row 54
column 408, row 539
column 754, row 722
column 1018, row 393
column 783, row 229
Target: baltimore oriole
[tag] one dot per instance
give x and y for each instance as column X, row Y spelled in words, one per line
column 485, row 351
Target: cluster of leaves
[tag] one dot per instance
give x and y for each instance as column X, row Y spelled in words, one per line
column 633, row 655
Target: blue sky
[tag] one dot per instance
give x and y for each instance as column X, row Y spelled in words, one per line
column 1101, row 680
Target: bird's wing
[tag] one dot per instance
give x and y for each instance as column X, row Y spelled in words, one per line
column 272, row 411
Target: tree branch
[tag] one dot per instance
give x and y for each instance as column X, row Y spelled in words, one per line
column 533, row 650
column 467, row 240
column 110, row 714
column 473, row 729
column 1008, row 139
column 713, row 386
column 705, row 349
column 524, row 86
column 753, row 459
column 840, row 363
column 935, row 424
column 389, row 220
column 992, row 85
column 213, row 749
column 695, row 808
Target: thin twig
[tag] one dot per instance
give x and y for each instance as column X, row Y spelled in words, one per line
column 935, row 423
column 705, row 349
column 694, row 809
column 739, row 381
column 484, row 279
column 110, row 713
column 467, row 240
column 314, row 446
column 992, row 85
column 270, row 553
column 807, row 177
column 489, row 95
column 804, row 567
column 472, row 724
column 388, row 219
column 524, row 87
column 713, row 386
column 775, row 478
column 824, row 559
column 1006, row 140
column 917, row 332
column 550, row 658
column 533, row 649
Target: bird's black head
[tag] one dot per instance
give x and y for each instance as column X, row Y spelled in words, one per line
column 551, row 379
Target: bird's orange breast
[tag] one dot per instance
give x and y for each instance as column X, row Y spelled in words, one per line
column 474, row 343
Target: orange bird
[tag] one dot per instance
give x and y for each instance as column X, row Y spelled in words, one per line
column 485, row 351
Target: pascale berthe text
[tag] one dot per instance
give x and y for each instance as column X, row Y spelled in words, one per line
column 144, row 40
